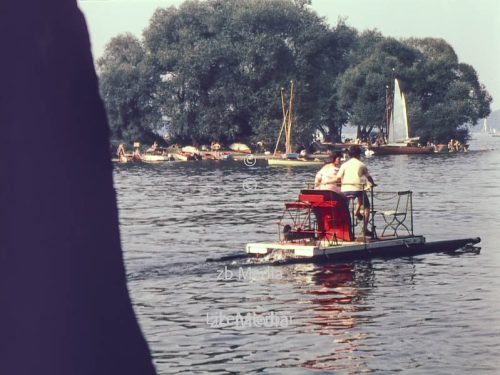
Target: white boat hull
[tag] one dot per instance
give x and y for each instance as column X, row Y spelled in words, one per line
column 154, row 158
column 299, row 250
column 180, row 157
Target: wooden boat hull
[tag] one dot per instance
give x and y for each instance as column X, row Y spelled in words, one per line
column 401, row 150
column 186, row 156
column 294, row 162
column 393, row 247
column 217, row 155
column 240, row 147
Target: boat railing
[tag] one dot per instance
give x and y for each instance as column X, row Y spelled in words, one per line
column 391, row 214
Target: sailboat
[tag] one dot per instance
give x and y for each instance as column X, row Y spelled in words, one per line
column 489, row 130
column 398, row 129
column 289, row 158
column 486, row 128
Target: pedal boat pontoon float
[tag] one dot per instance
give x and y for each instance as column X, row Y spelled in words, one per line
column 321, row 226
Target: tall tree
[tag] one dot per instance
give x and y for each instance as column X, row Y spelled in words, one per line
column 126, row 86
column 213, row 70
column 363, row 86
column 217, row 69
column 448, row 93
column 444, row 97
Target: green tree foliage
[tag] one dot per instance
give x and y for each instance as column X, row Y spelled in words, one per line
column 125, row 84
column 444, row 97
column 449, row 96
column 364, row 85
column 214, row 70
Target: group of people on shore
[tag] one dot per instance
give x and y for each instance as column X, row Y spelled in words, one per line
column 454, row 145
column 351, row 179
column 122, row 155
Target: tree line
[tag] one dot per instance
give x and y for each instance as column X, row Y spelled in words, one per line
column 213, row 71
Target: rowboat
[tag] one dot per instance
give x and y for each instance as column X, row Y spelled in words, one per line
column 155, row 158
column 240, row 147
column 294, row 162
column 321, row 226
column 185, row 156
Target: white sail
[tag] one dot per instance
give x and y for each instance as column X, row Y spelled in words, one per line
column 398, row 124
column 485, row 127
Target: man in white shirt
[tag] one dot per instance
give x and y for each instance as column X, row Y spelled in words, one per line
column 355, row 177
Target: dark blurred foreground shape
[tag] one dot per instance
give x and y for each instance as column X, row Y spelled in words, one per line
column 64, row 304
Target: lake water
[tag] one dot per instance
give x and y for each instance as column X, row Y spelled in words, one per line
column 428, row 314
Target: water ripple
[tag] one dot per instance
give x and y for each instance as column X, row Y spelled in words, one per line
column 432, row 314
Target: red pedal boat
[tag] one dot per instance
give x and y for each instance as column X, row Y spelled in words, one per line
column 321, row 225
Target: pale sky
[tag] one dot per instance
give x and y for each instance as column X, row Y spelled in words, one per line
column 472, row 27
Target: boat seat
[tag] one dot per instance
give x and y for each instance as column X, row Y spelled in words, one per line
column 395, row 219
column 332, row 214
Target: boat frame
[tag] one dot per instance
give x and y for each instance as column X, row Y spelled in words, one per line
column 321, row 225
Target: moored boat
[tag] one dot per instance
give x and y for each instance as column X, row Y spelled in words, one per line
column 398, row 129
column 155, row 158
column 185, row 156
column 216, row 155
column 401, row 149
column 240, row 147
column 289, row 158
column 295, row 162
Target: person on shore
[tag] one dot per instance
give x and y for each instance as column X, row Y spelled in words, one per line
column 215, row 146
column 304, row 155
column 153, row 148
column 121, row 153
column 136, row 156
column 326, row 178
column 354, row 176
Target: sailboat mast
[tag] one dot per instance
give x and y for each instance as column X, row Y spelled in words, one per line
column 290, row 117
column 286, row 127
column 285, row 121
column 388, row 110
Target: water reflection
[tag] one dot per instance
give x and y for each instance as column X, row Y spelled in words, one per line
column 340, row 305
column 339, row 293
